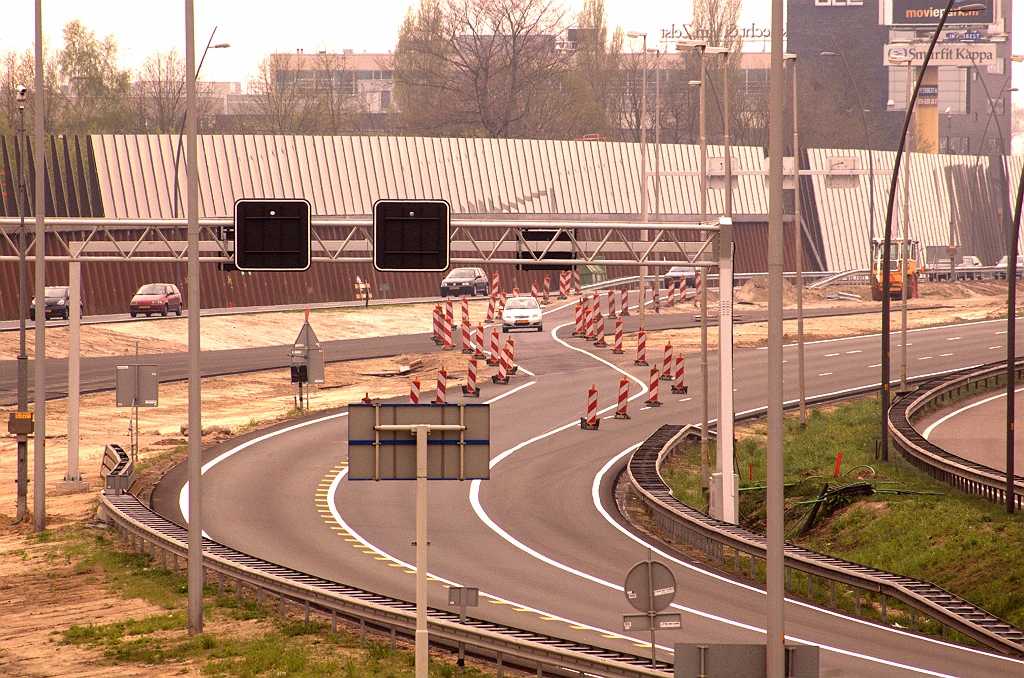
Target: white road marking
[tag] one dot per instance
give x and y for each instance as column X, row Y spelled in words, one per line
column 870, row 367
column 927, row 357
column 945, row 355
column 831, row 355
column 523, row 369
column 852, row 352
column 825, row 374
column 1001, row 332
column 992, row 348
column 953, row 338
column 683, row 400
column 928, row 431
column 508, row 393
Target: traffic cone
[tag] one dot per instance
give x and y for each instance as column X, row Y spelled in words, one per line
column 591, row 422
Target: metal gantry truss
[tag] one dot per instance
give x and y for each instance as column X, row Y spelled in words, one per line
column 472, row 242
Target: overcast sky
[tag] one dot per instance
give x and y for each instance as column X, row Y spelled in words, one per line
column 255, row 28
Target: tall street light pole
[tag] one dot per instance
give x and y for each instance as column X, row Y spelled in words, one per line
column 643, row 171
column 39, row 440
column 705, row 478
column 798, row 249
column 905, row 245
column 22, row 501
column 775, row 509
column 725, row 492
column 887, row 238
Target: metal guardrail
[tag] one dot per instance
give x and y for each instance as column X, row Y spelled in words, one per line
column 714, row 538
column 963, row 474
column 507, row 646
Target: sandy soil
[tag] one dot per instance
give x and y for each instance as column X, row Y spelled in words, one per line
column 38, row 596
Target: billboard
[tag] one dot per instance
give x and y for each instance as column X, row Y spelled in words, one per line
column 928, row 13
column 947, row 54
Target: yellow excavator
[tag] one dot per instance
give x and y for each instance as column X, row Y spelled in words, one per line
column 914, row 268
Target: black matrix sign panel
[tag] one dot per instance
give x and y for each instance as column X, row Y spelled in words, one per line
column 272, row 235
column 411, row 235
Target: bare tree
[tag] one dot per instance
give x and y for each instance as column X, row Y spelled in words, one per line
column 95, row 92
column 158, row 96
column 479, row 66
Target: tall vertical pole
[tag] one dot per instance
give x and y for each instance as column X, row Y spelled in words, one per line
column 775, row 532
column 1011, row 345
column 704, row 454
column 724, row 459
column 39, row 442
column 195, row 423
column 74, row 343
column 799, row 241
column 643, row 181
column 422, row 640
column 905, row 247
column 22, row 500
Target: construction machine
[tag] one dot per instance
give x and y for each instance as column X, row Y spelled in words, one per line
column 913, row 267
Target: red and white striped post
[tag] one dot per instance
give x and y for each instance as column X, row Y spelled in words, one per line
column 591, row 422
column 641, row 349
column 441, row 397
column 611, row 304
column 652, row 397
column 502, row 376
column 547, row 289
column 490, row 310
column 478, row 342
column 495, row 284
column 534, row 293
column 579, row 330
column 679, row 385
column 620, row 412
column 448, row 346
column 515, row 291
column 465, row 308
column 657, row 303
column 698, row 282
column 599, row 331
column 563, row 284
column 414, row 392
column 510, row 348
column 449, row 313
column 438, row 333
column 470, row 390
column 617, row 346
column 467, row 333
column 501, row 306
column 494, row 359
column 666, row 364
column 670, row 301
column 576, row 281
column 623, row 301
column 588, row 321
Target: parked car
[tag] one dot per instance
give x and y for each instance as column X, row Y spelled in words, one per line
column 156, row 298
column 468, row 281
column 522, row 313
column 1001, row 275
column 58, row 304
column 681, row 275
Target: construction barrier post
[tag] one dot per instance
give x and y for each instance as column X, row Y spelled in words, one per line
column 502, row 376
column 599, row 331
column 467, row 331
column 441, row 397
column 448, row 346
column 510, row 346
column 490, row 310
column 470, row 390
column 478, row 342
column 494, row 359
column 495, row 285
column 414, row 392
column 679, row 385
column 611, row 304
column 563, row 284
column 657, row 303
column 652, row 397
column 588, row 321
column 620, row 412
column 547, row 289
column 666, row 364
column 465, row 309
column 641, row 349
column 438, row 333
column 624, row 302
column 578, row 329
column 617, row 346
column 576, row 281
column 534, row 293
column 671, row 300
column 591, row 422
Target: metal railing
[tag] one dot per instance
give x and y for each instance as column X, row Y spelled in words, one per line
column 963, row 474
column 504, row 645
column 717, row 540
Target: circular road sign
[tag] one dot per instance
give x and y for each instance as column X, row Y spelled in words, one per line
column 650, row 586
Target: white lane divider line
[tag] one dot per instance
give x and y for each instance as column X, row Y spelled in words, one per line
column 927, row 357
column 956, row 338
column 825, row 374
column 945, row 355
column 831, row 355
column 871, row 367
column 508, row 393
column 523, row 369
column 928, row 431
column 852, row 352
column 992, row 348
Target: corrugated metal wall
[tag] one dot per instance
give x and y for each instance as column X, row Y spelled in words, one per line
column 946, row 191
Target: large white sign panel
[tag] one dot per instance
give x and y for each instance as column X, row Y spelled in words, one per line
column 944, row 54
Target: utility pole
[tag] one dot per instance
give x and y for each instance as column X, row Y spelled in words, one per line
column 799, row 247
column 39, row 441
column 643, row 172
column 22, row 502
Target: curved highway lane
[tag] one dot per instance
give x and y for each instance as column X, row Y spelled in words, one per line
column 543, row 539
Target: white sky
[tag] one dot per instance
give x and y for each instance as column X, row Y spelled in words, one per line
column 255, row 28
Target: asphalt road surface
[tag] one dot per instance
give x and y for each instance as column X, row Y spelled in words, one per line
column 542, row 539
column 975, row 429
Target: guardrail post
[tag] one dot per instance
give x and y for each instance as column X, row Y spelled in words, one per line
column 334, row 623
column 735, row 560
column 163, row 559
column 499, row 672
column 175, row 562
column 753, row 562
column 362, row 630
column 810, row 587
column 789, row 578
column 540, row 670
column 856, row 600
column 259, row 597
column 394, row 643
column 913, row 619
column 280, row 597
column 885, row 618
column 220, row 584
column 832, row 592
column 307, row 612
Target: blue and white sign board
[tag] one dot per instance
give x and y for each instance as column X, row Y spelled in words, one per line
column 391, row 455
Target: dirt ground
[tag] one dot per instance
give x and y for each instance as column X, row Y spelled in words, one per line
column 31, row 606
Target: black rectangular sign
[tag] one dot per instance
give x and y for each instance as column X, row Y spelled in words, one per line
column 272, row 235
column 411, row 235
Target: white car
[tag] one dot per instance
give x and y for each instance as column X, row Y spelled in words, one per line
column 1001, row 275
column 522, row 313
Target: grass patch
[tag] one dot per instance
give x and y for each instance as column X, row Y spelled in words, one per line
column 241, row 639
column 912, row 525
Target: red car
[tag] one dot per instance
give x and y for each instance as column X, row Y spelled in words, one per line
column 156, row 298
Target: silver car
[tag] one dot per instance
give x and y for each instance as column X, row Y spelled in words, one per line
column 522, row 313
